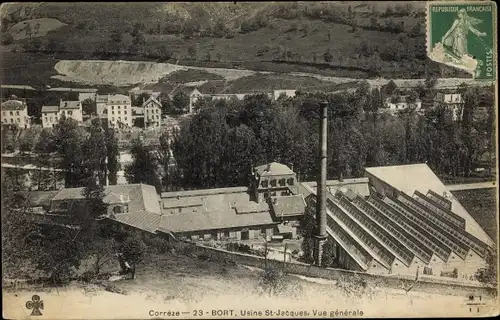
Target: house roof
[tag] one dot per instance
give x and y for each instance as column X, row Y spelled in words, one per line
column 118, row 98
column 151, row 100
column 41, row 198
column 402, row 99
column 50, row 109
column 288, row 205
column 358, row 185
column 70, row 104
column 142, row 197
column 184, row 89
column 13, row 105
column 141, row 219
column 408, row 178
column 272, row 169
column 199, row 221
column 102, row 98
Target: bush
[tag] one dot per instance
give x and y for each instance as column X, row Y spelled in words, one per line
column 6, row 38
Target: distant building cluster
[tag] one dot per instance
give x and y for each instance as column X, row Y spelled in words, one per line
column 396, row 220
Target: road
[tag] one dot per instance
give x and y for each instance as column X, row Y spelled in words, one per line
column 471, row 186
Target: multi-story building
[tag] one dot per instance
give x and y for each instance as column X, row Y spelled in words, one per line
column 15, row 112
column 50, row 116
column 152, row 112
column 116, row 108
column 69, row 109
column 453, row 101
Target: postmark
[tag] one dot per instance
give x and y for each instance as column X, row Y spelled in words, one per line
column 462, row 35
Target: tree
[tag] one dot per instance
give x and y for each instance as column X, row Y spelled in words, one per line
column 116, row 36
column 27, row 142
column 112, row 155
column 94, row 150
column 140, row 99
column 6, row 38
column 166, row 104
column 488, row 275
column 328, row 56
column 180, row 101
column 133, row 252
column 68, row 141
column 89, row 106
column 389, row 88
column 192, row 52
column 18, row 227
column 164, row 160
column 144, row 166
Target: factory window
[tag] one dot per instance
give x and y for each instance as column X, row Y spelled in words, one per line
column 112, row 107
column 125, row 112
column 118, row 108
column 282, row 182
column 17, row 113
column 273, row 182
column 119, row 112
column 290, row 181
column 11, row 120
column 266, row 195
column 180, row 210
column 264, row 183
column 226, row 233
column 125, row 118
column 273, row 194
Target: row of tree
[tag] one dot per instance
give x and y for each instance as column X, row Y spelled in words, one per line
column 82, row 154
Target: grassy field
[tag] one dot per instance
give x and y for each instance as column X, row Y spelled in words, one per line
column 186, row 283
column 302, row 30
column 481, row 204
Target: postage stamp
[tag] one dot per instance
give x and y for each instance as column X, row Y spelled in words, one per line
column 462, row 35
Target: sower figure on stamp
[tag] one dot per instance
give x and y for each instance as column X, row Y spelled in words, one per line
column 456, row 37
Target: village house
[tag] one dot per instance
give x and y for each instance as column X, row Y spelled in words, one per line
column 453, row 101
column 151, row 110
column 70, row 109
column 15, row 112
column 399, row 103
column 116, row 108
column 286, row 93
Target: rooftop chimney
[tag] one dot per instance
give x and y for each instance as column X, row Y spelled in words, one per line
column 268, row 167
column 320, row 234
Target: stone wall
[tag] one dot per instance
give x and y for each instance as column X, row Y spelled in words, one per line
column 425, row 284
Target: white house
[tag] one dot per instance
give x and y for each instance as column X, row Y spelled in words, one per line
column 399, row 103
column 52, row 114
column 452, row 101
column 15, row 112
column 152, row 112
column 287, row 93
column 118, row 110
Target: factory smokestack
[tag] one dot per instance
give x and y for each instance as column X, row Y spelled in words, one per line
column 320, row 235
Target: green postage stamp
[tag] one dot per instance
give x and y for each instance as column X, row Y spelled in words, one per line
column 462, row 35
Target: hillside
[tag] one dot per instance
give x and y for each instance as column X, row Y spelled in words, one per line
column 349, row 39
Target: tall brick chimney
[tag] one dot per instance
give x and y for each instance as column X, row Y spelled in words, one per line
column 320, row 234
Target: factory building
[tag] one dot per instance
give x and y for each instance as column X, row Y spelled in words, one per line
column 396, row 220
